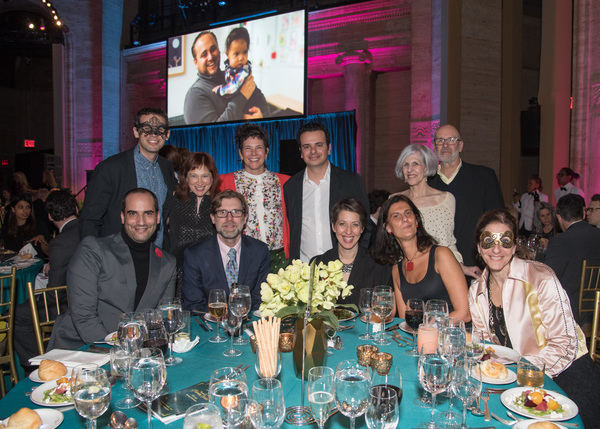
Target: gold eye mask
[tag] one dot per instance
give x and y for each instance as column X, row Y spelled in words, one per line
column 487, row 239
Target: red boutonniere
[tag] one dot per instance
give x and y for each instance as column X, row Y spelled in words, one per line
column 158, row 252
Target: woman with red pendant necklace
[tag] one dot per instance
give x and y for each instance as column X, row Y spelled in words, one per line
column 421, row 268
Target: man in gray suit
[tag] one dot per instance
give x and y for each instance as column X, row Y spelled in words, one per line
column 116, row 274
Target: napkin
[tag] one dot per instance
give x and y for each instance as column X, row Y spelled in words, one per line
column 28, row 248
column 184, row 345
column 72, row 358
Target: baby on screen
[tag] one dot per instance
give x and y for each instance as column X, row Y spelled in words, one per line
column 237, row 66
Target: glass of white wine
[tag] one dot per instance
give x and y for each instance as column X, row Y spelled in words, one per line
column 91, row 392
column 383, row 304
column 217, row 307
column 320, row 393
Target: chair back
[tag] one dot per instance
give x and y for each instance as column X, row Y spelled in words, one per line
column 48, row 303
column 595, row 336
column 8, row 284
column 590, row 283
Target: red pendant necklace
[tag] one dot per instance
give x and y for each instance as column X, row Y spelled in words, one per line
column 410, row 264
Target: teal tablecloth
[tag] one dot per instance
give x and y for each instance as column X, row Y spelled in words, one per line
column 198, row 364
column 25, row 275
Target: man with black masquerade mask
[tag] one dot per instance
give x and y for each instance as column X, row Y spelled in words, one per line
column 137, row 167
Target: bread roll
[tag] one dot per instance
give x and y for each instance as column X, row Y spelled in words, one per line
column 51, row 370
column 543, row 425
column 494, row 369
column 24, row 419
column 26, row 256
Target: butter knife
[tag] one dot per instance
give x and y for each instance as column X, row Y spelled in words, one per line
column 97, row 349
column 201, row 325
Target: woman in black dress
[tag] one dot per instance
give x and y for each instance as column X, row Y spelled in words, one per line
column 22, row 228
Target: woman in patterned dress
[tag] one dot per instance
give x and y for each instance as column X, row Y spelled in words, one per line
column 415, row 163
column 263, row 190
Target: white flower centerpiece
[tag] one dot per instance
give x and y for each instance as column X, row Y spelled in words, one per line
column 286, row 293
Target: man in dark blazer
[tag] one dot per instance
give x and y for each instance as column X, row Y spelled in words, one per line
column 138, row 167
column 205, row 264
column 475, row 188
column 309, row 236
column 112, row 275
column 566, row 251
column 62, row 211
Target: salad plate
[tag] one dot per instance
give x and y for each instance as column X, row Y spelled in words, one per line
column 511, row 400
column 38, row 395
column 343, row 314
column 51, row 419
column 504, row 355
column 111, row 339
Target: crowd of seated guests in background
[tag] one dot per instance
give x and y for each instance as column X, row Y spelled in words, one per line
column 449, row 229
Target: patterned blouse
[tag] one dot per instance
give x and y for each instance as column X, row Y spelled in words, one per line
column 439, row 223
column 264, row 197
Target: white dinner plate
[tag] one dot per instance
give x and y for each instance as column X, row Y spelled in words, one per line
column 525, row 424
column 256, row 313
column 111, row 339
column 506, row 355
column 51, row 419
column 404, row 327
column 511, row 378
column 35, row 377
column 570, row 408
column 37, row 396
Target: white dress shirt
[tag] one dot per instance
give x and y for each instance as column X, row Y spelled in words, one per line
column 526, row 206
column 569, row 189
column 316, row 236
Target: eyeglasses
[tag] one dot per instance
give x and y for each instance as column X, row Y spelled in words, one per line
column 451, row 141
column 561, row 174
column 234, row 213
column 591, row 209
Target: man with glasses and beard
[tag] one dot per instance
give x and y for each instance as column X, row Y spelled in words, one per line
column 225, row 258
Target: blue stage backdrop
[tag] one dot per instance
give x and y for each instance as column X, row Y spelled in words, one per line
column 218, row 140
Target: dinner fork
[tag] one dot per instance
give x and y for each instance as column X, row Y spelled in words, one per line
column 519, row 419
column 485, row 396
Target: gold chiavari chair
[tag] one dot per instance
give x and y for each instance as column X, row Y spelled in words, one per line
column 8, row 284
column 595, row 335
column 590, row 283
column 43, row 326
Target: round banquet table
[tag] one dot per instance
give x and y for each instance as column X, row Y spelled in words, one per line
column 25, row 274
column 198, row 364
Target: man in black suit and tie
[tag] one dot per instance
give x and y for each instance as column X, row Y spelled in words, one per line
column 225, row 258
column 112, row 275
column 475, row 188
column 62, row 211
column 311, row 193
column 566, row 251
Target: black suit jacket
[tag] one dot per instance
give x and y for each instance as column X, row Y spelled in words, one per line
column 344, row 184
column 110, row 181
column 203, row 270
column 565, row 255
column 476, row 190
column 61, row 248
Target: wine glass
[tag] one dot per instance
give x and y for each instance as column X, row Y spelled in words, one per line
column 90, row 389
column 131, row 331
column 228, row 373
column 434, row 376
column 320, row 393
column 265, row 367
column 475, row 347
column 202, row 415
column 383, row 412
column 364, row 303
column 119, row 362
column 268, row 394
column 428, row 343
column 241, row 299
column 171, row 313
column 413, row 314
column 451, row 344
column 148, row 375
column 393, row 380
column 230, row 323
column 436, row 311
column 156, row 335
column 383, row 304
column 230, row 397
column 466, row 385
column 217, row 306
column 351, row 385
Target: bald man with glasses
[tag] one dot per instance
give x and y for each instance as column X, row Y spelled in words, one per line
column 475, row 188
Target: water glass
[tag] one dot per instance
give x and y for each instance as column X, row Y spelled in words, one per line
column 434, row 376
column 131, row 331
column 230, row 323
column 436, row 311
column 352, row 384
column 466, row 386
column 383, row 412
column 230, row 397
column 148, row 375
column 320, row 393
column 530, row 374
column 413, row 315
column 364, row 303
column 184, row 332
column 172, row 314
column 228, row 373
column 119, row 362
column 90, row 389
column 451, row 345
column 268, row 394
column 475, row 345
column 241, row 299
column 202, row 414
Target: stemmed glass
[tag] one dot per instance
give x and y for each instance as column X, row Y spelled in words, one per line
column 428, row 343
column 202, row 415
column 434, row 376
column 436, row 311
column 320, row 393
column 217, row 307
column 148, row 375
column 156, row 337
column 131, row 334
column 352, row 384
column 228, row 373
column 475, row 347
column 268, row 394
column 364, row 303
column 91, row 392
column 240, row 302
column 392, row 380
column 120, row 360
column 451, row 344
column 171, row 312
column 230, row 322
column 413, row 314
column 383, row 412
column 383, row 304
column 466, row 386
column 230, row 396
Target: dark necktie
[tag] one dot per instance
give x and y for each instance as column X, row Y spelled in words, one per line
column 563, row 188
column 231, row 272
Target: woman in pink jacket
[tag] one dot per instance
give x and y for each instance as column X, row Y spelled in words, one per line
column 522, row 305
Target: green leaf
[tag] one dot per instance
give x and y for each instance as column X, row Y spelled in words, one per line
column 292, row 310
column 328, row 318
column 352, row 307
